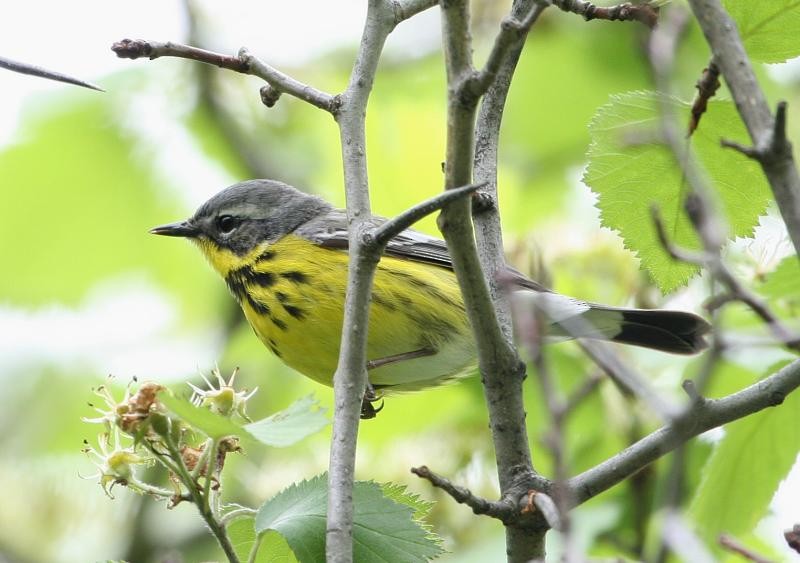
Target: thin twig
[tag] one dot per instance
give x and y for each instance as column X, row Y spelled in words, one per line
column 736, row 291
column 31, row 70
column 500, row 510
column 644, row 13
column 393, row 227
column 244, row 63
column 729, row 543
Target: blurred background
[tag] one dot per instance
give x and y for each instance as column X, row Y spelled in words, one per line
column 86, row 292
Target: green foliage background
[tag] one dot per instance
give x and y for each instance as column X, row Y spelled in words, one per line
column 80, row 188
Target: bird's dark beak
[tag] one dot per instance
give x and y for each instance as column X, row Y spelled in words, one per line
column 181, row 229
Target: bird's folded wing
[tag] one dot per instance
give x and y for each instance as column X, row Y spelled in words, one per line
column 330, row 231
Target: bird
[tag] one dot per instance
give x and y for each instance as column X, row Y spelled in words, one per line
column 283, row 254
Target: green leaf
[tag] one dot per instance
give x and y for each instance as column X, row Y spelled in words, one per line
column 769, row 29
column 302, row 418
column 383, row 530
column 630, row 177
column 746, row 468
column 201, row 418
column 272, row 549
column 784, row 282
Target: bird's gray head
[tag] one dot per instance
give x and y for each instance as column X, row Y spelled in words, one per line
column 244, row 215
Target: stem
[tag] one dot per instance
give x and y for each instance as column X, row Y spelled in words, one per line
column 251, row 558
column 201, row 501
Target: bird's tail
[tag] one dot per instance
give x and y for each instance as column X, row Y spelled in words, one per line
column 677, row 332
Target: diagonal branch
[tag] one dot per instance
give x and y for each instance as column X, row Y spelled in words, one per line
column 498, row 509
column 24, row 68
column 702, row 416
column 393, row 227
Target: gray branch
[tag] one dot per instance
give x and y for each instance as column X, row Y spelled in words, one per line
column 393, row 227
column 766, row 133
column 31, row 70
column 350, row 380
column 489, row 314
column 244, row 63
column 702, row 416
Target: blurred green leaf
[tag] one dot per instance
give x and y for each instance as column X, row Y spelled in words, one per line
column 769, row 29
column 302, row 418
column 745, row 469
column 630, row 177
column 784, row 282
column 383, row 530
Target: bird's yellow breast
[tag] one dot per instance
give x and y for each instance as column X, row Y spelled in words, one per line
column 292, row 293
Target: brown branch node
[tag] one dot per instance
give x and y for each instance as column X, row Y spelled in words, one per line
column 793, row 537
column 707, row 86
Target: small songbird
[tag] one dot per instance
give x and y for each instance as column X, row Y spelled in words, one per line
column 283, row 255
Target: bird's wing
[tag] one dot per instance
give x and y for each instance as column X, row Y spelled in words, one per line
column 330, row 231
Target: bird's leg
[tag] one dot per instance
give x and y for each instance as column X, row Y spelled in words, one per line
column 368, row 409
column 394, row 358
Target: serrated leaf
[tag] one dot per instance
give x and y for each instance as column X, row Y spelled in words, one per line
column 201, row 418
column 769, row 29
column 302, row 418
column 383, row 530
column 630, row 177
column 746, row 468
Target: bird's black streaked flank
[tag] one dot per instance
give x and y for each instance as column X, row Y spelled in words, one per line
column 283, row 255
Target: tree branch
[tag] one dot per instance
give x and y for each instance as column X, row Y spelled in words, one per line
column 501, row 370
column 644, row 13
column 31, row 70
column 385, row 232
column 767, row 134
column 350, row 380
column 405, row 9
column 501, row 510
column 702, row 416
column 244, row 63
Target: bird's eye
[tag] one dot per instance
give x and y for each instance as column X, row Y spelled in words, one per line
column 227, row 223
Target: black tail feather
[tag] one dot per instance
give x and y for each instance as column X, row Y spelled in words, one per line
column 677, row 332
